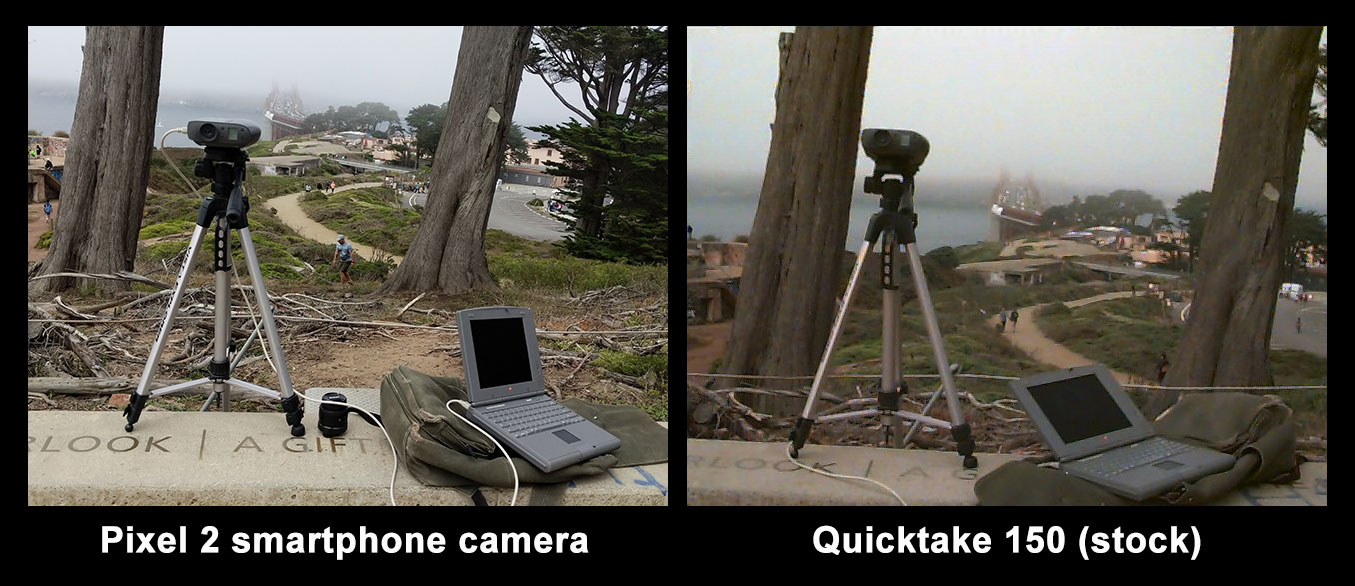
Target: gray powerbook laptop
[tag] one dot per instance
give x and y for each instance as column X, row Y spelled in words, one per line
column 508, row 393
column 1097, row 434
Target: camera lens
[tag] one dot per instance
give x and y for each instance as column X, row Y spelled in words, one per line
column 333, row 418
column 208, row 132
column 881, row 138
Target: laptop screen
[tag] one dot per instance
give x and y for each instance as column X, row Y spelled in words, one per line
column 502, row 358
column 1079, row 408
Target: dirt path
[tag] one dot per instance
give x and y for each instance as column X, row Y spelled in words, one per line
column 289, row 211
column 1029, row 339
column 706, row 343
column 37, row 224
column 360, row 362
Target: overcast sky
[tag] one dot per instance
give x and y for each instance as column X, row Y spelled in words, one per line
column 1110, row 108
column 402, row 67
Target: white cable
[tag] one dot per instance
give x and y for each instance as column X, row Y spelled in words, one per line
column 507, row 457
column 844, row 476
column 173, row 165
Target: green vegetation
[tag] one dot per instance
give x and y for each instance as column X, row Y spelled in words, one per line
column 61, row 134
column 536, row 201
column 1129, row 334
column 500, row 242
column 963, row 306
column 262, row 148
column 1126, row 334
column 651, row 370
column 978, row 252
column 45, row 240
column 370, row 215
column 166, row 228
column 573, row 276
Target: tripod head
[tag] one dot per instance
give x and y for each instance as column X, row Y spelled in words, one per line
column 225, row 166
column 895, row 152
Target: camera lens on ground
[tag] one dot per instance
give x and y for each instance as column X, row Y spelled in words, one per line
column 333, row 418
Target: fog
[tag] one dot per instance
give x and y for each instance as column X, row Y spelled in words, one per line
column 402, row 67
column 1091, row 109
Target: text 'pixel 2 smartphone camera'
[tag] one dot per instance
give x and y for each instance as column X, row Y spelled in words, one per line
column 224, row 133
column 895, row 151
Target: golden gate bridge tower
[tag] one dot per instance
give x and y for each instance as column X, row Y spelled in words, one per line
column 285, row 113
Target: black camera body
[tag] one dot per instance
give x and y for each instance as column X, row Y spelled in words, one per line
column 224, row 133
column 895, row 151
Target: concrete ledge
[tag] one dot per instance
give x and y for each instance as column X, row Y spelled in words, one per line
column 757, row 473
column 191, row 458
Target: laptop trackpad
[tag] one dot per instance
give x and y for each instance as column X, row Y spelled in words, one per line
column 568, row 437
column 1168, row 465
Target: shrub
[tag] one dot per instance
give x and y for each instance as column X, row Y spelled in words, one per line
column 710, row 238
column 166, row 228
column 1055, row 309
column 741, row 238
column 44, row 241
column 536, row 201
column 61, row 134
column 371, row 270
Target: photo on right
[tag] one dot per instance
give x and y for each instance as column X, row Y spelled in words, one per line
column 1006, row 266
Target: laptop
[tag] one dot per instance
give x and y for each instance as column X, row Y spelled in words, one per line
column 508, row 393
column 1098, row 435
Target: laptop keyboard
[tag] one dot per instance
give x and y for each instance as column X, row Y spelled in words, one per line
column 1121, row 459
column 530, row 418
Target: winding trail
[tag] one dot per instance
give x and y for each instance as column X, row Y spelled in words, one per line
column 289, row 211
column 1029, row 339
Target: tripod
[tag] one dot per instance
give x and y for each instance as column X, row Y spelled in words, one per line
column 894, row 226
column 230, row 209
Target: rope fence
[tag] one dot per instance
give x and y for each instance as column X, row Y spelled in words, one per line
column 1000, row 377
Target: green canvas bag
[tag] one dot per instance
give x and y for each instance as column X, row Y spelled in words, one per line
column 442, row 450
column 1257, row 430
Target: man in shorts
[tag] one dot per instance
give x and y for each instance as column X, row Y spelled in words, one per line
column 343, row 257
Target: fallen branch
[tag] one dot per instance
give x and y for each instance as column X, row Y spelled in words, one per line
column 89, row 386
column 118, row 276
column 408, row 305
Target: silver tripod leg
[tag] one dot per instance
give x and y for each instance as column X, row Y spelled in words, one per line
column 960, row 431
column 924, row 299
column 223, row 310
column 800, row 433
column 143, row 387
column 266, row 310
column 837, row 327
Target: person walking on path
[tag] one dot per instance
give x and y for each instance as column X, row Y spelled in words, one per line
column 1002, row 321
column 38, row 148
column 1298, row 325
column 1162, row 365
column 1015, row 315
column 47, row 209
column 343, row 253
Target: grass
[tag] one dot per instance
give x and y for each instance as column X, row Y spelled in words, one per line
column 1129, row 335
column 573, row 276
column 651, row 369
column 166, row 228
column 1126, row 334
column 371, row 215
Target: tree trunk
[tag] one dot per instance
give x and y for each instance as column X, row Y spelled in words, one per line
column 795, row 250
column 1226, row 341
column 108, row 162
column 448, row 251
